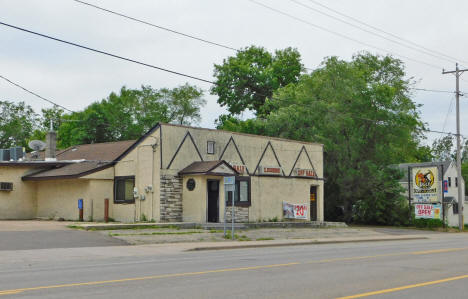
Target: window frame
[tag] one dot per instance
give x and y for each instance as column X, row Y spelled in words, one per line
column 123, row 178
column 237, row 201
column 449, row 181
column 208, row 147
column 455, row 210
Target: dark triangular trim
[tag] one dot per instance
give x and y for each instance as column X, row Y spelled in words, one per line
column 180, row 146
column 150, row 131
column 297, row 159
column 238, row 152
column 274, row 153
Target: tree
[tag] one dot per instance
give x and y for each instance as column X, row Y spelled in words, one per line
column 184, row 103
column 442, row 148
column 17, row 123
column 362, row 112
column 130, row 113
column 245, row 81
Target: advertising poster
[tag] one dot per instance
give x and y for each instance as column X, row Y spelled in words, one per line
column 425, row 188
column 295, row 211
column 427, row 211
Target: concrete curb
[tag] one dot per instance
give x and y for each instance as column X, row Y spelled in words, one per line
column 301, row 243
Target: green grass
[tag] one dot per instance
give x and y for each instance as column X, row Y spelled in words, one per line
column 236, row 237
column 157, row 233
column 264, row 239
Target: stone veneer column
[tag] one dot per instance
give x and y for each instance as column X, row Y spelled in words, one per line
column 241, row 214
column 171, row 198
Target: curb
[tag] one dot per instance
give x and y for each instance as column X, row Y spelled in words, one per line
column 316, row 242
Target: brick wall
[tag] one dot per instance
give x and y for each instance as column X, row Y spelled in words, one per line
column 241, row 214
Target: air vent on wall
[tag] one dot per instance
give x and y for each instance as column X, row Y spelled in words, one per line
column 5, row 186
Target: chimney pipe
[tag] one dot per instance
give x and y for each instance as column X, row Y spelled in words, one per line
column 51, row 144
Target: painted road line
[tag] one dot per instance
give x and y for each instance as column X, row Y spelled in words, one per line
column 90, row 283
column 411, row 286
column 67, row 285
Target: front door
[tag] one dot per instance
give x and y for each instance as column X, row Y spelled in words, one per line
column 313, row 203
column 213, row 200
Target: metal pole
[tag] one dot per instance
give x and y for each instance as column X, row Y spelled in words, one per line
column 225, row 204
column 443, row 196
column 232, row 214
column 460, row 191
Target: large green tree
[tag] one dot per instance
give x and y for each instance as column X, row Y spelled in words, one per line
column 362, row 112
column 246, row 80
column 17, row 123
column 130, row 113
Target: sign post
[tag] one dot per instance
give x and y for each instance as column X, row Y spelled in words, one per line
column 229, row 187
column 80, row 208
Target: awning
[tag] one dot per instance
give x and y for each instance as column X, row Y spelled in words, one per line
column 218, row 167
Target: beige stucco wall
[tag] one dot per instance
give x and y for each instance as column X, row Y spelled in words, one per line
column 143, row 162
column 21, row 202
column 59, row 198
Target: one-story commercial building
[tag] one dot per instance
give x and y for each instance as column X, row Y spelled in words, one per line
column 173, row 173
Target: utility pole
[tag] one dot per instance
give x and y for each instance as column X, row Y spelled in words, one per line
column 461, row 196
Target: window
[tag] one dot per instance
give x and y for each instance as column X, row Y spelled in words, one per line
column 456, row 182
column 123, row 189
column 455, row 208
column 210, row 147
column 242, row 194
column 450, row 181
column 5, row 186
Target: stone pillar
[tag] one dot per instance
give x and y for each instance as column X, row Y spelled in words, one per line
column 171, row 198
column 241, row 214
column 51, row 144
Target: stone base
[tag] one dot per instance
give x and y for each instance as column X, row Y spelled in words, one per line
column 241, row 214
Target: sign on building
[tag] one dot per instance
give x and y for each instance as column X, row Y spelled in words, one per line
column 427, row 211
column 269, row 170
column 425, row 187
column 295, row 211
column 305, row 172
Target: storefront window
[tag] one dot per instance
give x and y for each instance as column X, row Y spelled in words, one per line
column 242, row 194
column 123, row 189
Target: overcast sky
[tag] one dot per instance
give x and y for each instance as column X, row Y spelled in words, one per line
column 74, row 77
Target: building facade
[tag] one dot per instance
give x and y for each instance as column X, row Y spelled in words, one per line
column 172, row 174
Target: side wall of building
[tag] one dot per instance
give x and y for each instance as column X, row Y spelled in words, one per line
column 21, row 202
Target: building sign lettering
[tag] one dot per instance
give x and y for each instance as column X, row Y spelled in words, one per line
column 268, row 170
column 425, row 184
column 305, row 172
column 427, row 211
column 295, row 211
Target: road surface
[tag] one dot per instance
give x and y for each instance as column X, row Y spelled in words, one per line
column 433, row 268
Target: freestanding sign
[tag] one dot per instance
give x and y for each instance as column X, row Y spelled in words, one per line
column 230, row 187
column 425, row 187
column 427, row 211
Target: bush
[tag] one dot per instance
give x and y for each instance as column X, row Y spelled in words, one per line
column 428, row 223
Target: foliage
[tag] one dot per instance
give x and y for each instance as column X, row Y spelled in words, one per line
column 17, row 123
column 129, row 114
column 362, row 112
column 442, row 148
column 428, row 223
column 245, row 81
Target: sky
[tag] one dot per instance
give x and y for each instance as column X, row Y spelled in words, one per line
column 74, row 77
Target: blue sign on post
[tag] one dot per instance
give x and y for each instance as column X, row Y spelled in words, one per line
column 80, row 204
column 445, row 186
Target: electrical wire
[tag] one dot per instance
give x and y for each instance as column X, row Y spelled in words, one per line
column 383, row 31
column 35, row 94
column 341, row 35
column 108, row 53
column 448, row 112
column 371, row 32
column 157, row 26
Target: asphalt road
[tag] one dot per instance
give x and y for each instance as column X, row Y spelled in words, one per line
column 434, row 268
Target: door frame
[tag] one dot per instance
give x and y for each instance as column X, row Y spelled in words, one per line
column 315, row 202
column 208, row 199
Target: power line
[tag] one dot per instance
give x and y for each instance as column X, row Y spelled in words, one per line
column 371, row 32
column 156, row 26
column 109, row 54
column 383, row 31
column 35, row 94
column 448, row 113
column 341, row 35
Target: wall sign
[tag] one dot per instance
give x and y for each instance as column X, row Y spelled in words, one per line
column 295, row 211
column 305, row 172
column 239, row 168
column 445, row 186
column 190, row 184
column 269, row 170
column 427, row 211
column 425, row 184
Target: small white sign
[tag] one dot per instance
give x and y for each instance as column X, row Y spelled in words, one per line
column 229, row 180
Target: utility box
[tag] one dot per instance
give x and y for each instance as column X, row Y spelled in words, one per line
column 16, row 153
column 4, row 154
